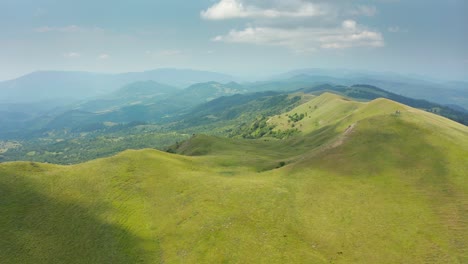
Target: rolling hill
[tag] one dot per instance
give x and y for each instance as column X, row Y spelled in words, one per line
column 359, row 182
column 369, row 92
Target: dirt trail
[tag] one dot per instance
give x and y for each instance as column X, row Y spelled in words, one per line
column 343, row 137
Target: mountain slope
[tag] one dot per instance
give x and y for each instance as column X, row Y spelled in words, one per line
column 369, row 92
column 369, row 185
column 228, row 112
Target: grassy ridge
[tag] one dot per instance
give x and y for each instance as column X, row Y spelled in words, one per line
column 389, row 189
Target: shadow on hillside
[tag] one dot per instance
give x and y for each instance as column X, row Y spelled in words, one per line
column 37, row 229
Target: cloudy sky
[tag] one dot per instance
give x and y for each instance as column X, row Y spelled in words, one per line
column 241, row 37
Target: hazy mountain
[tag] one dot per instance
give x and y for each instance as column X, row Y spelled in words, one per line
column 443, row 92
column 61, row 85
column 178, row 77
column 143, row 102
column 57, row 85
column 144, row 89
column 204, row 92
column 141, row 92
column 291, row 83
column 202, row 103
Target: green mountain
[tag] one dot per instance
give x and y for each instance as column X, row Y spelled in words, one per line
column 369, row 92
column 227, row 112
column 359, row 182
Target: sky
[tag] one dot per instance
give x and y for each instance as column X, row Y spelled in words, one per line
column 247, row 38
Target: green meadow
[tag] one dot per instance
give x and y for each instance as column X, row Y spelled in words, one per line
column 360, row 182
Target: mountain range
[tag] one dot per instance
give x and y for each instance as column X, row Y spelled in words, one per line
column 72, row 86
column 148, row 113
column 307, row 178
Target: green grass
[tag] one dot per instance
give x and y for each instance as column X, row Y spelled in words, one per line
column 392, row 189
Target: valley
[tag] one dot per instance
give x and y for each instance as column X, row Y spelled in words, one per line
column 149, row 114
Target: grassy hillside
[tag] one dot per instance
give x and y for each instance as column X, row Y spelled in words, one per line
column 358, row 183
column 369, row 92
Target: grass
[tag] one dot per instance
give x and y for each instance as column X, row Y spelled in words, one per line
column 393, row 190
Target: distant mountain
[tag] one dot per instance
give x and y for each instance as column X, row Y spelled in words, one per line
column 199, row 104
column 144, row 89
column 293, row 83
column 457, row 108
column 204, row 92
column 231, row 111
column 236, row 109
column 57, row 85
column 141, row 102
column 142, row 92
column 179, row 77
column 455, row 92
column 62, row 85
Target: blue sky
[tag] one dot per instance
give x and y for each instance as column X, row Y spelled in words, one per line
column 241, row 37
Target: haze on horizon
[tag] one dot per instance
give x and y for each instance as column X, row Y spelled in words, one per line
column 239, row 37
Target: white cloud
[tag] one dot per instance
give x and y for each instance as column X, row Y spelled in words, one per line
column 72, row 55
column 227, row 9
column 306, row 39
column 300, row 25
column 103, row 56
column 349, row 24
